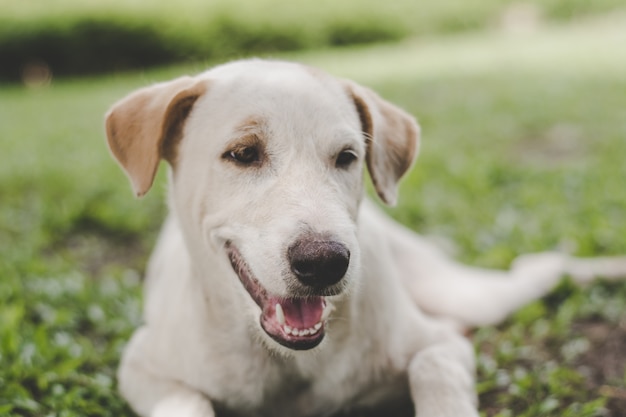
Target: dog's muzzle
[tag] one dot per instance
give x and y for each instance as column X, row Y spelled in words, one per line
column 298, row 322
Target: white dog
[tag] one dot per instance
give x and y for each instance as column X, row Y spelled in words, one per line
column 274, row 289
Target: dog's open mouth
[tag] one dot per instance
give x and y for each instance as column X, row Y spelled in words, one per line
column 296, row 323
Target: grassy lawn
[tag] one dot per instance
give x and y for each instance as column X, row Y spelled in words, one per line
column 523, row 151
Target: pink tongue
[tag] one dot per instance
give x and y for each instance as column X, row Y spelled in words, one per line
column 302, row 313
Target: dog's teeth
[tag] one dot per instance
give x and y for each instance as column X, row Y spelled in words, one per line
column 327, row 310
column 325, row 315
column 280, row 314
column 302, row 332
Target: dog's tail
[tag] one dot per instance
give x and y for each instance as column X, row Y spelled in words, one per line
column 477, row 297
column 583, row 271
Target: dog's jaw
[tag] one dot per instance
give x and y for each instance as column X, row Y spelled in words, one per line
column 297, row 323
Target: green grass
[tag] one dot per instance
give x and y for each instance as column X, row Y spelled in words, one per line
column 523, row 151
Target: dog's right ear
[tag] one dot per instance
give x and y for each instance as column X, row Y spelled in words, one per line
column 146, row 126
column 392, row 137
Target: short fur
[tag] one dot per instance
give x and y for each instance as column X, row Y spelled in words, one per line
column 395, row 335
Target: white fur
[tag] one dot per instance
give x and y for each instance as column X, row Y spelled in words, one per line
column 395, row 331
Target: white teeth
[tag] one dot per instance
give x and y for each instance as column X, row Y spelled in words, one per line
column 280, row 314
column 302, row 332
column 329, row 308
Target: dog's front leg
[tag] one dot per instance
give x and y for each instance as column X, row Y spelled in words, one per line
column 152, row 396
column 183, row 403
column 149, row 392
column 441, row 379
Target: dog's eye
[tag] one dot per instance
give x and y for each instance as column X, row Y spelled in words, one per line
column 245, row 155
column 345, row 158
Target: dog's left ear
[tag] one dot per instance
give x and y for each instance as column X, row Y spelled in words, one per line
column 392, row 137
column 145, row 127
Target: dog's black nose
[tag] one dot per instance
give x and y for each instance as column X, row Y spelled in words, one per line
column 318, row 262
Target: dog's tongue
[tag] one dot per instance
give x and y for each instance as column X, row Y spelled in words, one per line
column 302, row 313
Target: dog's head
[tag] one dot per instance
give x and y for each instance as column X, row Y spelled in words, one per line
column 266, row 174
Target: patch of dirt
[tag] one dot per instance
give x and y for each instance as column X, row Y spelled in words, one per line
column 93, row 253
column 604, row 364
column 520, row 18
column 560, row 143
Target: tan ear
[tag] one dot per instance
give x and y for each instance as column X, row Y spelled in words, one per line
column 392, row 137
column 146, row 126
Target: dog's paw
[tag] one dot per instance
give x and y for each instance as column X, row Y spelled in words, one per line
column 183, row 404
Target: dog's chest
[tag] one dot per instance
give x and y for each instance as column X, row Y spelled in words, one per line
column 323, row 386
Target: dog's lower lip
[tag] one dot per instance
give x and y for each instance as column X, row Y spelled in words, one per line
column 305, row 328
column 304, row 342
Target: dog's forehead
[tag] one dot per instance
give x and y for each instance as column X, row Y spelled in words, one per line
column 272, row 73
column 280, row 92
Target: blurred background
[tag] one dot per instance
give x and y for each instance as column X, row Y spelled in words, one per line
column 67, row 37
column 523, row 111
